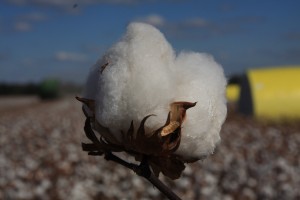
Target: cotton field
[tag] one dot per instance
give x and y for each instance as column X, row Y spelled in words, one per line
column 41, row 158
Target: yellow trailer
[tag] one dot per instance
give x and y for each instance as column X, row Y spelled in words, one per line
column 233, row 93
column 272, row 93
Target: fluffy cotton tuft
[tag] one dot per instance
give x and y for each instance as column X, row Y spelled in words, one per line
column 144, row 77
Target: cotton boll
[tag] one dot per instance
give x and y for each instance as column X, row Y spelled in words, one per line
column 136, row 82
column 201, row 79
column 144, row 77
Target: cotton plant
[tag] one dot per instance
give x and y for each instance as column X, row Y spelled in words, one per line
column 164, row 109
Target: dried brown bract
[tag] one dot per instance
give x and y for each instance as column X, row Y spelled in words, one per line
column 157, row 146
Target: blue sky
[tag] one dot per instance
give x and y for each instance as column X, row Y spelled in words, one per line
column 63, row 39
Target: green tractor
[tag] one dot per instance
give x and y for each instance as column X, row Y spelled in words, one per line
column 49, row 89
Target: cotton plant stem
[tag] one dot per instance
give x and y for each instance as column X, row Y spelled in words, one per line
column 162, row 187
column 144, row 171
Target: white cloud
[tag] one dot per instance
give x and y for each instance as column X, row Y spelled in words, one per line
column 190, row 27
column 153, row 19
column 22, row 26
column 158, row 20
column 199, row 27
column 22, row 23
column 70, row 56
column 195, row 22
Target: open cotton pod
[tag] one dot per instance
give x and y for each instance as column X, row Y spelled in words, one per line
column 143, row 99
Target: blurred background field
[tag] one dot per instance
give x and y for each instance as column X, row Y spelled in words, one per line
column 47, row 48
column 41, row 158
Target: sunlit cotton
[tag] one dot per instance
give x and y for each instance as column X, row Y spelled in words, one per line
column 144, row 76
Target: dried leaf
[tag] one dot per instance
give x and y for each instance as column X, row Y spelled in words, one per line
column 171, row 127
column 109, row 137
column 103, row 67
column 90, row 103
column 171, row 142
column 89, row 132
column 128, row 137
column 178, row 110
column 176, row 116
column 89, row 147
column 158, row 145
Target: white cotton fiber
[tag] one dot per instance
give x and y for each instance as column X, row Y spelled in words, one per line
column 144, row 77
